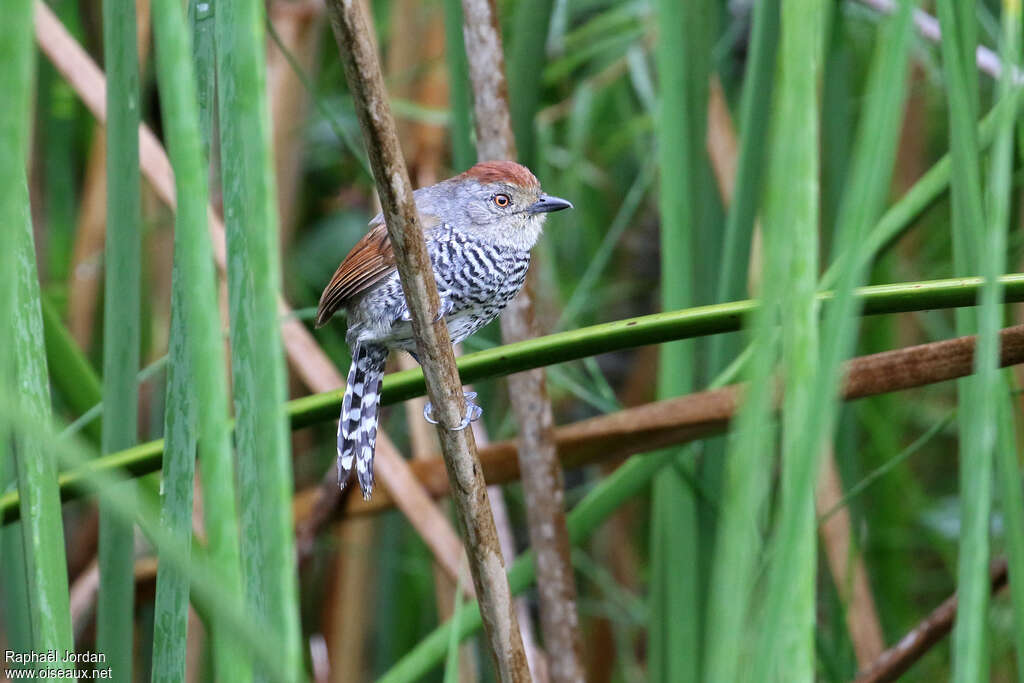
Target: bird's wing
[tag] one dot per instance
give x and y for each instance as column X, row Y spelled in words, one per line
column 370, row 261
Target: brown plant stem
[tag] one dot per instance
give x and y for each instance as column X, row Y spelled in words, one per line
column 895, row 661
column 543, row 485
column 415, row 71
column 299, row 26
column 87, row 252
column 846, row 564
column 91, row 224
column 305, row 355
column 85, row 589
column 696, row 416
column 363, row 73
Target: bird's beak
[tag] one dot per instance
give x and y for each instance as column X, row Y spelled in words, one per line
column 548, row 204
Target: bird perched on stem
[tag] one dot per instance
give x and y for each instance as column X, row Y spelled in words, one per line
column 479, row 228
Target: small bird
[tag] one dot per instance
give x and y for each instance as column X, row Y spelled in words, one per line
column 479, row 228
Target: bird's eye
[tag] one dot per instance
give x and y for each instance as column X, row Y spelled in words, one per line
column 502, row 200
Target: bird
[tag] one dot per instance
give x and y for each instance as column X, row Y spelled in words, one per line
column 479, row 228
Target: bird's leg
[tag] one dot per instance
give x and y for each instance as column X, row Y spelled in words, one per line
column 473, row 412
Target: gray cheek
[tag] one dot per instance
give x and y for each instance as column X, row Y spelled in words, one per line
column 479, row 213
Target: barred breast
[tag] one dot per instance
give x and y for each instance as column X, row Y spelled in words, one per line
column 480, row 279
column 477, row 278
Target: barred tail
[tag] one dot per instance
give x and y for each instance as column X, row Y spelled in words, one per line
column 357, row 426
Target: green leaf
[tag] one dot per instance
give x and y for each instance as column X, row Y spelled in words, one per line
column 196, row 350
column 257, row 359
column 121, row 328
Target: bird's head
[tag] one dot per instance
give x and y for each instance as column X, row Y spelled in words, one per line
column 500, row 201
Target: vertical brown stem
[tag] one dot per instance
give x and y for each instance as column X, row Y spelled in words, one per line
column 445, row 587
column 362, row 70
column 543, row 486
column 299, row 26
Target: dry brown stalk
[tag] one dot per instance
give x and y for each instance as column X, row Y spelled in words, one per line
column 846, row 564
column 347, row 600
column 87, row 253
column 722, row 145
column 919, row 640
column 363, row 73
column 305, row 355
column 421, row 438
column 543, row 486
column 91, row 224
column 415, row 71
column 299, row 27
column 696, row 416
column 86, row 588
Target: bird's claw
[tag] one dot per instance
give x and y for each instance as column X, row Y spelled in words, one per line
column 473, row 412
column 445, row 309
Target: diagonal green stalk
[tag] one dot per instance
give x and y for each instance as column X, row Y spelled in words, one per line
column 791, row 252
column 958, row 66
column 993, row 432
column 929, row 187
column 121, row 329
column 257, row 360
column 793, row 560
column 755, row 118
column 790, row 216
column 740, row 478
column 70, row 371
column 198, row 331
column 42, row 534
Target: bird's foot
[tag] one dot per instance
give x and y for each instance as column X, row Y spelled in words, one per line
column 473, row 412
column 445, row 308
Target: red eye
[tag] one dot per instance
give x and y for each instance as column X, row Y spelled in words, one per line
column 502, row 200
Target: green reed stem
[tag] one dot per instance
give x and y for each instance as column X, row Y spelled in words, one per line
column 196, row 338
column 42, row 533
column 257, row 358
column 970, row 638
column 121, row 329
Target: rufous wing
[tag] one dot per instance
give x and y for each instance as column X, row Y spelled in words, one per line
column 370, row 261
